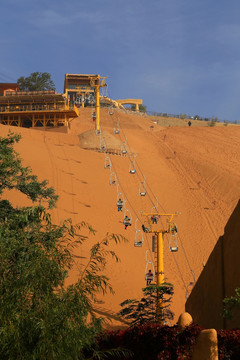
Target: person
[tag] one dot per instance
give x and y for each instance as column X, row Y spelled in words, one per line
column 127, row 222
column 120, row 204
column 149, row 277
column 189, row 123
column 154, row 219
column 145, row 229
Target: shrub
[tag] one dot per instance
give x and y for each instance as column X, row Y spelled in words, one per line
column 155, row 342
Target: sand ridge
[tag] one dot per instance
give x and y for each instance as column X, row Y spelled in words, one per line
column 195, row 171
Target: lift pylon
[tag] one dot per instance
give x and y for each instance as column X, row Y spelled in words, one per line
column 97, row 82
column 152, row 226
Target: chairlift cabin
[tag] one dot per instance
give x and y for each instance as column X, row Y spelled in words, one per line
column 110, row 111
column 113, row 178
column 127, row 213
column 107, row 163
column 138, row 240
column 132, row 168
column 142, row 189
column 120, row 195
column 149, row 277
column 124, row 148
column 120, row 201
column 102, row 144
column 116, row 127
column 173, row 245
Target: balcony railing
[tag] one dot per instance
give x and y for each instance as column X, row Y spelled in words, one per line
column 34, row 107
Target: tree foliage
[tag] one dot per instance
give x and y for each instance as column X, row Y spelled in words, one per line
column 36, row 81
column 41, row 318
column 230, row 303
column 142, row 311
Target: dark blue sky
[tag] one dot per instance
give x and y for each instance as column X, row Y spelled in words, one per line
column 179, row 56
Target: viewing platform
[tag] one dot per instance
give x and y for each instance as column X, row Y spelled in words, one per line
column 36, row 108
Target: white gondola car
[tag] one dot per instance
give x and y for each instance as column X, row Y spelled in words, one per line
column 107, row 163
column 113, row 178
column 124, row 148
column 132, row 168
column 138, row 240
column 173, row 245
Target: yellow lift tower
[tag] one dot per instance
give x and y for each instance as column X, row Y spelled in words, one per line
column 97, row 82
column 169, row 228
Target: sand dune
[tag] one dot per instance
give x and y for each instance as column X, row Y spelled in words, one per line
column 195, row 171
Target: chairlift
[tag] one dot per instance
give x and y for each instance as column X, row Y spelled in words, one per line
column 102, row 144
column 124, row 148
column 132, row 168
column 142, row 188
column 127, row 213
column 120, row 201
column 120, row 195
column 113, row 178
column 148, row 277
column 116, row 127
column 173, row 245
column 127, row 219
column 107, row 163
column 173, row 228
column 110, row 111
column 138, row 241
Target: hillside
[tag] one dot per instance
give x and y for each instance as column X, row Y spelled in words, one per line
column 193, row 170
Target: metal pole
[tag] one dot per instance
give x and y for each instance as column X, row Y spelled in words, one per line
column 97, row 107
column 160, row 274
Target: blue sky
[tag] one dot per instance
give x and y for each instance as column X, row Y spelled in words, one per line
column 179, row 56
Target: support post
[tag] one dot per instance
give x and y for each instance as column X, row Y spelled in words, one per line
column 160, row 273
column 97, row 108
column 65, row 120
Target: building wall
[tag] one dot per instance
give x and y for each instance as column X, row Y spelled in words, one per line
column 8, row 87
column 219, row 278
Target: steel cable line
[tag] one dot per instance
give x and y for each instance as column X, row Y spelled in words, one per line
column 186, row 288
column 192, row 271
column 148, row 246
column 143, row 176
column 127, row 200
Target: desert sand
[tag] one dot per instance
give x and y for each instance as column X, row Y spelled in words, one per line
column 191, row 170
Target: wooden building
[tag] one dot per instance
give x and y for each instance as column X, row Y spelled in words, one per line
column 36, row 108
column 4, row 87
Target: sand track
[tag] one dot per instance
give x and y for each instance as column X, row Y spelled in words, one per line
column 192, row 170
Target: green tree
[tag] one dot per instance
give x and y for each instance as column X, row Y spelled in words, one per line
column 138, row 312
column 41, row 318
column 36, row 81
column 231, row 303
column 143, row 108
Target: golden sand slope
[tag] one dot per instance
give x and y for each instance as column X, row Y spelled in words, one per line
column 194, row 170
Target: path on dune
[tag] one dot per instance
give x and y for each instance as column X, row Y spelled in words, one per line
column 193, row 170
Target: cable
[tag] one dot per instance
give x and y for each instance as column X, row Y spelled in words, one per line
column 155, row 206
column 127, row 199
